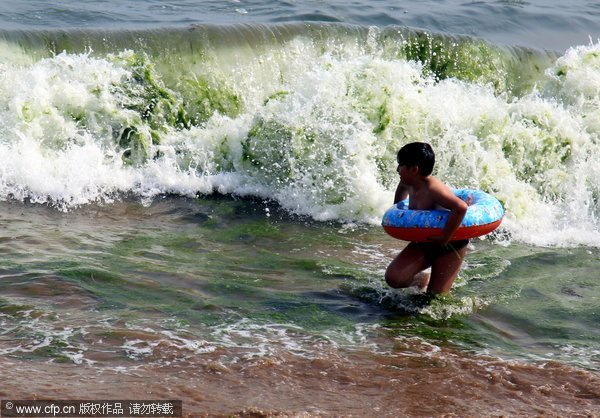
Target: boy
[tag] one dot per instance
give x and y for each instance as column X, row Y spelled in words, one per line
column 415, row 164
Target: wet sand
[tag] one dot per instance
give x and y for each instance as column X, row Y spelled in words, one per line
column 412, row 383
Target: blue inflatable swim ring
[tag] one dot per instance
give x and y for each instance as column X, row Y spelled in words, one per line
column 484, row 214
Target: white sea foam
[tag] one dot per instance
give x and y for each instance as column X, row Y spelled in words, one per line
column 313, row 128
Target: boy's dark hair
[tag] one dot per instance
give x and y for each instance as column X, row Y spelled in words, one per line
column 417, row 153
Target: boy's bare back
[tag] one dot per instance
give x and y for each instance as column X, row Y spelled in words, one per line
column 432, row 194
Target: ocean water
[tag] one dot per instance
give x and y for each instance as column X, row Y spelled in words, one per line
column 190, row 198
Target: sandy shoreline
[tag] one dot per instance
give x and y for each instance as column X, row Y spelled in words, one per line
column 337, row 384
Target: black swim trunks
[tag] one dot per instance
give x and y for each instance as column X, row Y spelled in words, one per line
column 433, row 251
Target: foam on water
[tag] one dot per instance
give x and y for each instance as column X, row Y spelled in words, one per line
column 311, row 125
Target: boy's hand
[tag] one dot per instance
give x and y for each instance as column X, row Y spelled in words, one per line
column 401, row 192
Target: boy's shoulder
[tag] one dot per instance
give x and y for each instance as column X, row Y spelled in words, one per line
column 435, row 183
column 436, row 187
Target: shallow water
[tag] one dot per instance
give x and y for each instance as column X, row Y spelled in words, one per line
column 232, row 304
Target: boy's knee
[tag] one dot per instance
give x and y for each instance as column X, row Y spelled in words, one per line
column 389, row 279
column 394, row 279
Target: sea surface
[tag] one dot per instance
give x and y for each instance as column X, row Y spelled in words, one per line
column 191, row 192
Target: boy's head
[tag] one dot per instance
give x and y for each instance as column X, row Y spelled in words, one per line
column 417, row 154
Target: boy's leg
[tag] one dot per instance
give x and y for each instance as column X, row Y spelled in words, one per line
column 444, row 270
column 402, row 270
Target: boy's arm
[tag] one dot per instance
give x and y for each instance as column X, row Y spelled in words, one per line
column 458, row 208
column 401, row 193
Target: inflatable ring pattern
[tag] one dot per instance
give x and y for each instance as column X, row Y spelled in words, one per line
column 484, row 214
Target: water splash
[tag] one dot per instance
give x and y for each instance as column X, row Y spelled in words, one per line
column 310, row 117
